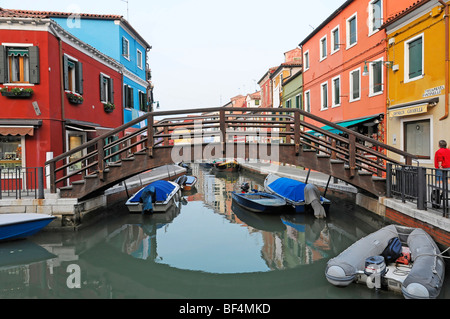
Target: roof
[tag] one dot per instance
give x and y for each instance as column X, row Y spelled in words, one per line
column 16, row 13
column 326, row 21
column 403, row 13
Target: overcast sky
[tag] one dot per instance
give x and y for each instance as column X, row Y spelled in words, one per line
column 206, row 51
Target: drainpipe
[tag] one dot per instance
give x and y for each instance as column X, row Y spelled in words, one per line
column 446, row 19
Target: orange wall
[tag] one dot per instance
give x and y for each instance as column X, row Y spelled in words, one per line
column 345, row 60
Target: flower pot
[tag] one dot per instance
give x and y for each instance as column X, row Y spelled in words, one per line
column 18, row 95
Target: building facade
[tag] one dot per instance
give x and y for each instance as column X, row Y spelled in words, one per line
column 345, row 66
column 56, row 91
column 419, row 80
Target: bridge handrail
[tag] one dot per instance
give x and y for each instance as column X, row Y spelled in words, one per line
column 286, row 118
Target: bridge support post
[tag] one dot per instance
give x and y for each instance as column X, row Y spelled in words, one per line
column 150, row 141
column 101, row 158
column 352, row 154
column 297, row 132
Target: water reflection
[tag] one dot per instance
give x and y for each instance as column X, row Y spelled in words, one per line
column 204, row 247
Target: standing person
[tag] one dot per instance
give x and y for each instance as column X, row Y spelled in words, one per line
column 442, row 158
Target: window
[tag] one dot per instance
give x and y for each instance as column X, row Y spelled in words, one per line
column 143, row 101
column 75, row 139
column 376, row 77
column 128, row 96
column 375, row 16
column 414, row 58
column 306, row 60
column 139, row 59
column 19, row 64
column 106, row 89
column 417, row 138
column 355, row 85
column 73, row 75
column 335, row 40
column 352, row 31
column 323, row 48
column 288, row 104
column 307, row 101
column 126, row 48
column 324, row 96
column 336, row 91
column 298, row 102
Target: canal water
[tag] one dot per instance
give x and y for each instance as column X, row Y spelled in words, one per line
column 204, row 247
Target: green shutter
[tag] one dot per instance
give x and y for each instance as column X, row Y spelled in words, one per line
column 352, row 23
column 111, row 90
column 66, row 72
column 415, row 58
column 377, row 79
column 34, row 64
column 79, row 77
column 102, row 89
column 3, row 67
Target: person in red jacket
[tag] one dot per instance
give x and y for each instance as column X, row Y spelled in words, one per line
column 442, row 158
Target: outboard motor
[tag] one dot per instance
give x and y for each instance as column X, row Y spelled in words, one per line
column 375, row 269
column 312, row 196
column 245, row 187
column 181, row 180
column 148, row 196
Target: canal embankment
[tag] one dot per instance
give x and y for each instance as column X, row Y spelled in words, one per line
column 73, row 214
column 393, row 210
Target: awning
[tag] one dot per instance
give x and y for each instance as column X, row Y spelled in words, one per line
column 345, row 124
column 17, row 130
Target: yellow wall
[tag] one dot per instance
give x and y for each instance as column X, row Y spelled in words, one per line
column 431, row 25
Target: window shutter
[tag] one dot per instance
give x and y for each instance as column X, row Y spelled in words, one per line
column 3, row 67
column 131, row 98
column 66, row 72
column 111, row 90
column 79, row 77
column 102, row 89
column 34, row 64
column 415, row 58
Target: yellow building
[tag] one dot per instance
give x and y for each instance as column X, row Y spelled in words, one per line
column 417, row 93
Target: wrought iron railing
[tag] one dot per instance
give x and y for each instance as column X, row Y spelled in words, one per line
column 427, row 187
column 22, row 182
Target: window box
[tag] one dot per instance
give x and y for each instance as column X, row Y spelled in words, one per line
column 108, row 107
column 74, row 98
column 19, row 93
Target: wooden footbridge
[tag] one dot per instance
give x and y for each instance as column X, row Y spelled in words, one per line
column 290, row 136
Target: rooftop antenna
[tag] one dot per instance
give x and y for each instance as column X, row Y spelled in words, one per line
column 127, row 9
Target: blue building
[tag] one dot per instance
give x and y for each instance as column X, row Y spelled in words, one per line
column 115, row 37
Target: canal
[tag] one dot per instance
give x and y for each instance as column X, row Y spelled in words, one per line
column 205, row 247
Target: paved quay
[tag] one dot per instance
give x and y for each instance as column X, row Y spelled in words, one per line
column 392, row 209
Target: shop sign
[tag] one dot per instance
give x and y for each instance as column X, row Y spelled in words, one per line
column 413, row 110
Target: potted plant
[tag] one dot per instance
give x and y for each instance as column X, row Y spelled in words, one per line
column 74, row 98
column 17, row 92
column 109, row 107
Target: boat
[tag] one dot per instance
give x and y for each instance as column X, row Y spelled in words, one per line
column 261, row 202
column 226, row 166
column 298, row 194
column 157, row 196
column 22, row 225
column 186, row 182
column 418, row 273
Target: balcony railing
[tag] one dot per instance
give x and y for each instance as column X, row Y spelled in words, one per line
column 427, row 187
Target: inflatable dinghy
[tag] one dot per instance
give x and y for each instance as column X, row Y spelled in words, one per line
column 362, row 262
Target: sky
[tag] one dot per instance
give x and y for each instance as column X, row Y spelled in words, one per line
column 205, row 52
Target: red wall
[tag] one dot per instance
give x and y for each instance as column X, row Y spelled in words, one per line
column 49, row 137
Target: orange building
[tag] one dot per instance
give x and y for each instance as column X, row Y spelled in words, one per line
column 344, row 65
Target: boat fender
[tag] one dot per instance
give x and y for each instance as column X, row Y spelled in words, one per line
column 148, row 196
column 312, row 196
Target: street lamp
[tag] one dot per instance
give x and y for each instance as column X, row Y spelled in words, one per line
column 388, row 64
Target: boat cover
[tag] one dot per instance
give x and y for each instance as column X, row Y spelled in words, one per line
column 162, row 189
column 289, row 188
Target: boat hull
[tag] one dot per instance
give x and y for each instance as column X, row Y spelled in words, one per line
column 19, row 226
column 261, row 202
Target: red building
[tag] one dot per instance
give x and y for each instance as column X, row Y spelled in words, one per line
column 56, row 91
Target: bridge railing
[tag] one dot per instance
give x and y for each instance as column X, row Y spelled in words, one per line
column 296, row 127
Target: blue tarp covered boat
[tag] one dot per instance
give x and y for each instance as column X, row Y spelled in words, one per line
column 261, row 202
column 22, row 225
column 295, row 192
column 158, row 196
